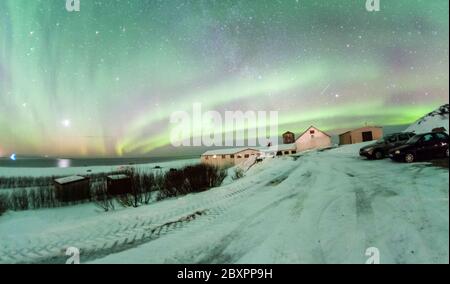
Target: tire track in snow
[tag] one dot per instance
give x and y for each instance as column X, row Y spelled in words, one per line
column 217, row 255
column 375, row 181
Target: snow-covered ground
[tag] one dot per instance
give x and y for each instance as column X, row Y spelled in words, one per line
column 324, row 207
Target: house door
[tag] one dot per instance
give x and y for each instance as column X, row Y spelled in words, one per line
column 367, row 136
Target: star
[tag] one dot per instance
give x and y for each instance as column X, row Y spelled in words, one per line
column 66, row 123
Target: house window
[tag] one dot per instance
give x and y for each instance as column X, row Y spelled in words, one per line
column 279, row 153
column 224, row 156
column 247, row 156
column 232, row 156
column 286, row 152
column 293, row 152
column 312, row 132
column 239, row 156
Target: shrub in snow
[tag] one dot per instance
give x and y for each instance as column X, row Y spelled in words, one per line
column 101, row 197
column 20, row 182
column 19, row 200
column 34, row 198
column 143, row 185
column 191, row 179
column 42, row 197
column 3, row 204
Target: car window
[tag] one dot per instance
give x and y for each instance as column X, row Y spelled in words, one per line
column 392, row 139
column 403, row 137
column 413, row 140
column 427, row 138
column 441, row 136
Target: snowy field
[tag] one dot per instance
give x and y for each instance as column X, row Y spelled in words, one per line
column 324, row 207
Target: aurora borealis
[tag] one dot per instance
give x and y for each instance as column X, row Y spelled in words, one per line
column 104, row 81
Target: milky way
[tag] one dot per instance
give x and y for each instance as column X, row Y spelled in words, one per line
column 105, row 81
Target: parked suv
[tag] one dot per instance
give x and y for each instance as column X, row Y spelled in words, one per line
column 422, row 147
column 381, row 148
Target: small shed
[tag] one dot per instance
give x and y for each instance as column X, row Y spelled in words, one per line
column 313, row 138
column 288, row 138
column 359, row 135
column 72, row 189
column 119, row 185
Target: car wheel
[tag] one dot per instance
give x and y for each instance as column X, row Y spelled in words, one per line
column 379, row 155
column 409, row 158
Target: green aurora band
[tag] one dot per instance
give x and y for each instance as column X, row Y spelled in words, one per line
column 105, row 81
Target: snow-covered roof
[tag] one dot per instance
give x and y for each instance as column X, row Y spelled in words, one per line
column 118, row 177
column 228, row 151
column 70, row 179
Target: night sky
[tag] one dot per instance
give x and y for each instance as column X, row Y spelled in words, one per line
column 105, row 81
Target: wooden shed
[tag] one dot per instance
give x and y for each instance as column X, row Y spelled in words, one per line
column 72, row 189
column 359, row 135
column 313, row 138
column 119, row 185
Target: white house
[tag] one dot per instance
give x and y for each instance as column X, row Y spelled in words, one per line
column 313, row 138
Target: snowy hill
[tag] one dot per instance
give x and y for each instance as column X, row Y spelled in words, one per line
column 435, row 119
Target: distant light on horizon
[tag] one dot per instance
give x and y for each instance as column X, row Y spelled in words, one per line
column 64, row 163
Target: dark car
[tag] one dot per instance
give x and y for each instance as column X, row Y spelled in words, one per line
column 381, row 148
column 422, row 147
